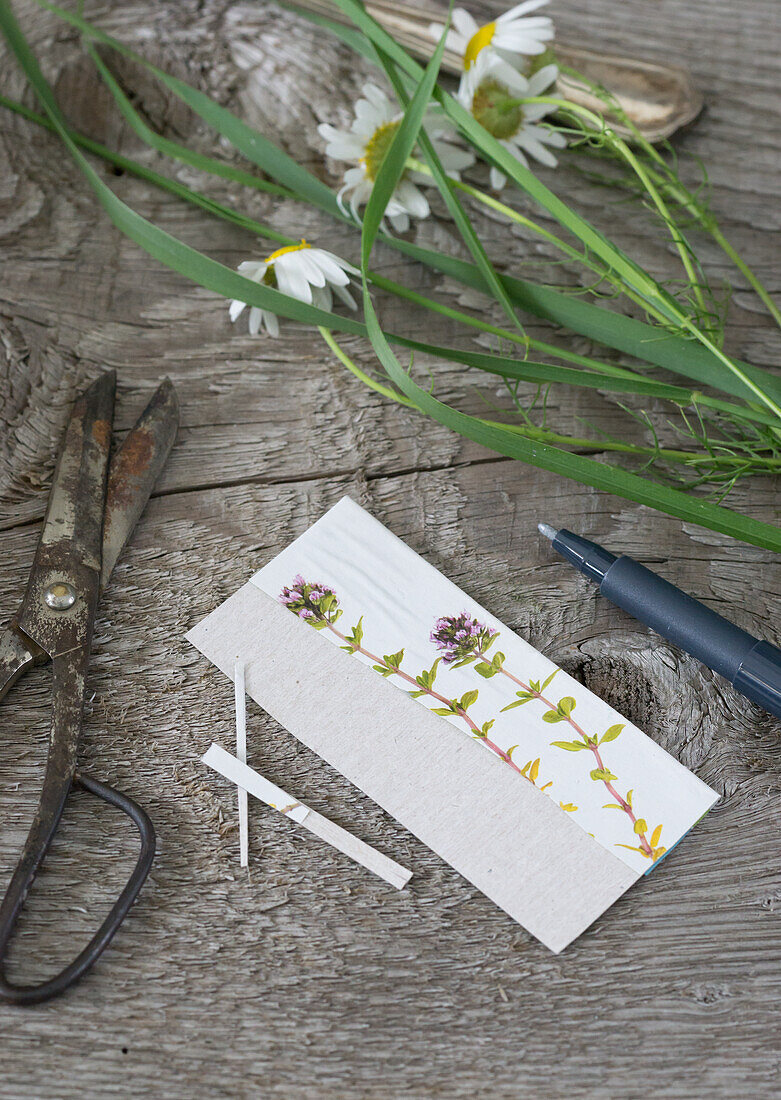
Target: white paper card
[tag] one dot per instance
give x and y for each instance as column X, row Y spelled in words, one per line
column 552, row 807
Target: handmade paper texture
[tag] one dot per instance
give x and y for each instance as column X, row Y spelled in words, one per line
column 363, row 589
column 502, row 834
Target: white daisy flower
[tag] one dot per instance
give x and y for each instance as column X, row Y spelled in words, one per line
column 365, row 144
column 491, row 91
column 513, row 36
column 311, row 275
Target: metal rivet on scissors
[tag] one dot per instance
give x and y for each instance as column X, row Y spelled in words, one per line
column 93, row 506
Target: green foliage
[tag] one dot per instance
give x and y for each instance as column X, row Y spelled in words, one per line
column 692, row 352
column 488, row 669
column 355, row 637
column 522, row 697
column 612, row 733
column 467, row 699
column 564, row 708
column 602, row 774
column 426, row 679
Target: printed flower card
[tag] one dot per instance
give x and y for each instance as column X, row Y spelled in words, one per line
column 536, row 790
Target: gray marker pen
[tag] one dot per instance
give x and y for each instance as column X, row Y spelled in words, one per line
column 753, row 667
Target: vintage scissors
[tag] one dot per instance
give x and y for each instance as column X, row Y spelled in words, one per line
column 93, row 506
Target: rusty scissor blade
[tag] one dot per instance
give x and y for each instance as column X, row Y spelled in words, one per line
column 66, row 567
column 134, row 470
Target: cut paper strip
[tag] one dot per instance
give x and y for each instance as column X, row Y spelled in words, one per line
column 249, row 780
column 241, row 754
column 534, row 789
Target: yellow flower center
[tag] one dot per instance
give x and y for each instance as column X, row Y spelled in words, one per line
column 283, row 251
column 377, row 146
column 477, row 43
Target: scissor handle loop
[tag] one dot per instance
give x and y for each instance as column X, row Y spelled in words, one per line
column 17, row 892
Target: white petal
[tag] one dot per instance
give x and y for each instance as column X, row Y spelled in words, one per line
column 330, row 133
column 514, row 148
column 527, row 139
column 331, row 270
column 522, row 9
column 354, row 176
column 551, row 137
column 343, row 264
column 291, row 280
column 491, row 64
column 498, row 179
column 466, row 89
column 236, row 309
column 343, row 293
column 310, row 268
column 413, row 199
column 464, row 23
column 379, row 100
column 252, row 269
column 255, row 316
column 542, row 79
column 272, row 323
column 453, row 157
column 400, row 222
column 368, row 118
column 514, row 81
column 457, row 43
column 529, row 44
column 533, row 112
column 537, row 25
column 322, row 298
column 341, row 144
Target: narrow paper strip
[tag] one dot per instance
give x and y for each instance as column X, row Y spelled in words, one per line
column 248, row 779
column 241, row 754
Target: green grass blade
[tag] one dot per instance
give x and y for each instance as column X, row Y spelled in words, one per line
column 445, row 187
column 527, row 370
column 255, row 147
column 159, row 244
column 587, row 471
column 174, row 149
column 615, row 330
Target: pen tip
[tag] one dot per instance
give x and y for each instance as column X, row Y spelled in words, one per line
column 546, row 530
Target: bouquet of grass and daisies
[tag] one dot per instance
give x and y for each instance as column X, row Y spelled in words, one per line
column 411, row 138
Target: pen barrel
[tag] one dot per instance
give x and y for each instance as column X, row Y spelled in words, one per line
column 680, row 618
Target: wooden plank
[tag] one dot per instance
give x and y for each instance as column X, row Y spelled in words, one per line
column 675, row 992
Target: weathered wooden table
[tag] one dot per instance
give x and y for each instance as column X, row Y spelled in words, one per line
column 308, row 977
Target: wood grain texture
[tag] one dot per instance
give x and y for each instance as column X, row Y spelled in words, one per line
column 284, row 982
